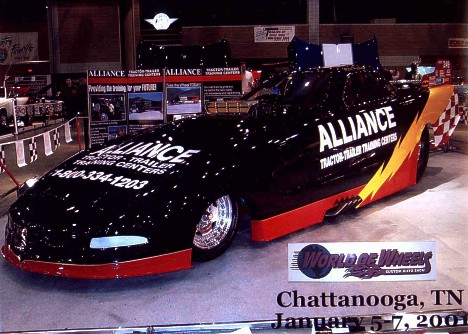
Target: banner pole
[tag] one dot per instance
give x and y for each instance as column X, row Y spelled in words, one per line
column 15, row 109
column 78, row 132
column 2, row 165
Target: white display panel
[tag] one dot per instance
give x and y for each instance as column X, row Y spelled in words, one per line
column 337, row 54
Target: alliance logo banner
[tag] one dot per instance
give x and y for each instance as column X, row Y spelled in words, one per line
column 361, row 261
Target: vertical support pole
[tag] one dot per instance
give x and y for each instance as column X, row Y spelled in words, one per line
column 78, row 132
column 15, row 107
column 313, row 21
column 164, row 101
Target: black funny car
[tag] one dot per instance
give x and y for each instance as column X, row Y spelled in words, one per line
column 301, row 146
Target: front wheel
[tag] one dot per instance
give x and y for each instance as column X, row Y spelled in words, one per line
column 423, row 155
column 216, row 229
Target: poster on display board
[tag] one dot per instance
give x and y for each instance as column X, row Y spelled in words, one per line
column 184, row 98
column 145, row 99
column 183, row 91
column 189, row 89
column 107, row 107
column 224, row 83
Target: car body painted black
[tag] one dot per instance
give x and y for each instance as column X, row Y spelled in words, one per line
column 296, row 145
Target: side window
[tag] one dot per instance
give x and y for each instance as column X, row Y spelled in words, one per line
column 309, row 89
column 382, row 88
column 388, row 90
column 362, row 88
column 352, row 91
column 369, row 88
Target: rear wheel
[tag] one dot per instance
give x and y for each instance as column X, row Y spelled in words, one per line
column 423, row 155
column 216, row 229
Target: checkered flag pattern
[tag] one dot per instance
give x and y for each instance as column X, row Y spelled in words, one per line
column 32, row 149
column 20, row 160
column 68, row 137
column 445, row 126
column 464, row 114
column 2, row 158
column 56, row 138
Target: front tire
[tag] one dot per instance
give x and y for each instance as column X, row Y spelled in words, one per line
column 216, row 229
column 423, row 156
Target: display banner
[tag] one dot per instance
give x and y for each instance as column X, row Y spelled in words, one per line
column 47, row 144
column 126, row 101
column 20, row 160
column 362, row 261
column 274, row 34
column 18, row 47
column 458, row 43
column 56, row 138
column 68, row 137
column 32, row 145
column 2, row 158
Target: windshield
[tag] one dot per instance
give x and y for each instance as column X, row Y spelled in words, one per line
column 272, row 86
column 304, row 88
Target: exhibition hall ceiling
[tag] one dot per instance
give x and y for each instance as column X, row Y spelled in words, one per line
column 263, row 12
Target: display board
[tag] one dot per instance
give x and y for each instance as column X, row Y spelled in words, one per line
column 308, row 55
column 443, row 71
column 123, row 102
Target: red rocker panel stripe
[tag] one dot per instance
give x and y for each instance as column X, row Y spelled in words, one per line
column 288, row 222
column 147, row 266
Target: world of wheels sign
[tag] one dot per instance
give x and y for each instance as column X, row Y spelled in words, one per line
column 122, row 102
column 371, row 261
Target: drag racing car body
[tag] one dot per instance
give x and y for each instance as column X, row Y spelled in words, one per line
column 303, row 145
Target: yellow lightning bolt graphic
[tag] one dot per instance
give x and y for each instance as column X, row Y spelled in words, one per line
column 435, row 106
